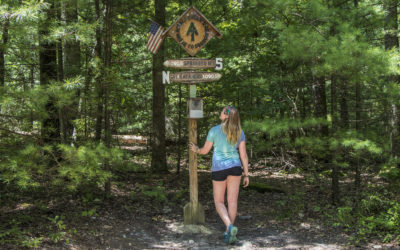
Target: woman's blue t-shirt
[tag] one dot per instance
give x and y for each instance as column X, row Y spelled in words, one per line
column 225, row 155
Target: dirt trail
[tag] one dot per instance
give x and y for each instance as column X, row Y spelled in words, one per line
column 293, row 219
column 149, row 225
column 176, row 236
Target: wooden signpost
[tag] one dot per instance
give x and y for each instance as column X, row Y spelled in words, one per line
column 192, row 31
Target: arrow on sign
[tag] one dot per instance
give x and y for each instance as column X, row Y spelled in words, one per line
column 192, row 31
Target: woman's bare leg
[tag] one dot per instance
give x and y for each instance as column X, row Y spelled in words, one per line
column 233, row 184
column 219, row 188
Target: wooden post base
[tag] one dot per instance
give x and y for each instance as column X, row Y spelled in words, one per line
column 193, row 214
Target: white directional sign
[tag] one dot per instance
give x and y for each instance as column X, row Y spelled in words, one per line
column 193, row 63
column 190, row 77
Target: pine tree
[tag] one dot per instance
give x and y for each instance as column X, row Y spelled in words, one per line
column 392, row 41
column 72, row 66
column 48, row 73
column 108, row 82
column 158, row 155
column 5, row 24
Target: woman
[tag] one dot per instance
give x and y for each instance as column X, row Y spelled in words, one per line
column 227, row 163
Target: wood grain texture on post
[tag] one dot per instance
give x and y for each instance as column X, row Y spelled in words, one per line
column 193, row 162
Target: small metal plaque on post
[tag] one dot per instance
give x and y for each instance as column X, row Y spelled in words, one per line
column 192, row 91
column 195, row 108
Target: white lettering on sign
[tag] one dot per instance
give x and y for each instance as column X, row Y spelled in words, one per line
column 176, row 63
column 193, row 76
column 211, row 76
column 218, row 62
column 165, row 77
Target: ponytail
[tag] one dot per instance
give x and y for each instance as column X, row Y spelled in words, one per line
column 231, row 125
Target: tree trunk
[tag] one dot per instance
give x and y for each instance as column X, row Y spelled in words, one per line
column 32, row 82
column 88, row 79
column 60, row 72
column 358, row 106
column 391, row 24
column 107, row 70
column 72, row 67
column 60, row 64
column 357, row 177
column 335, row 188
column 2, row 54
column 392, row 41
column 158, row 161
column 320, row 109
column 344, row 111
column 48, row 73
column 99, row 80
column 334, row 109
column 303, row 104
column 335, row 167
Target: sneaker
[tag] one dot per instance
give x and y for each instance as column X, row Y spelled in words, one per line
column 226, row 237
column 232, row 231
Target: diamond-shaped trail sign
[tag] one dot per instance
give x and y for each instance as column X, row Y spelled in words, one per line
column 192, row 31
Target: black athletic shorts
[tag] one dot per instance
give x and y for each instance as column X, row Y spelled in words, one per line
column 223, row 174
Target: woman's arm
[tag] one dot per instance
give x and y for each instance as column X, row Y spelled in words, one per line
column 204, row 150
column 245, row 162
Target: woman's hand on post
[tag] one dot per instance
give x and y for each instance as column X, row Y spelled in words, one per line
column 246, row 181
column 193, row 147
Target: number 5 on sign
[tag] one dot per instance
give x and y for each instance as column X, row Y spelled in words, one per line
column 218, row 63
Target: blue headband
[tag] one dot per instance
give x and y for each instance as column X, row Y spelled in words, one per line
column 229, row 109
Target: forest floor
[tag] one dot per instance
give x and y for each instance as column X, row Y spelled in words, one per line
column 146, row 212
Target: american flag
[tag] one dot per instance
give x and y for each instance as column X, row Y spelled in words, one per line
column 155, row 37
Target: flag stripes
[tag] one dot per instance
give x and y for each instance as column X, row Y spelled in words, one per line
column 155, row 37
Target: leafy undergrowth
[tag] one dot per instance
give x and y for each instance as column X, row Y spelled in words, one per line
column 294, row 211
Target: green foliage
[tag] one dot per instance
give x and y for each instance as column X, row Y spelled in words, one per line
column 10, row 235
column 180, row 195
column 273, row 52
column 270, row 134
column 84, row 165
column 156, row 193
column 89, row 213
column 291, row 207
column 57, row 229
column 345, row 217
column 377, row 215
column 25, row 11
column 32, row 242
column 81, row 166
column 351, row 141
column 58, row 221
column 23, row 167
column 391, row 173
column 344, row 147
